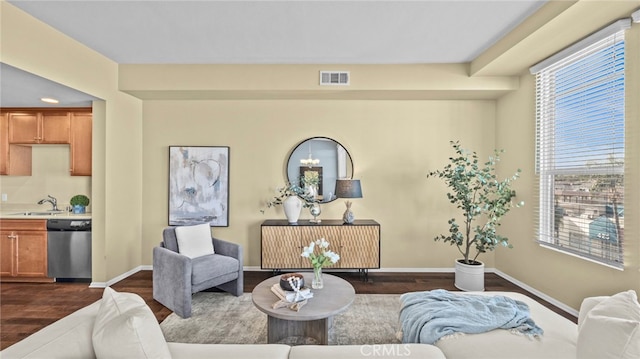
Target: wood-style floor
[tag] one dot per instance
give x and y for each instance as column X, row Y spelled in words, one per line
column 27, row 307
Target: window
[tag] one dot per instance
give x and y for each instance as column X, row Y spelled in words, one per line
column 580, row 147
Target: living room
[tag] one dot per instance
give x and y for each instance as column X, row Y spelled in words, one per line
column 396, row 122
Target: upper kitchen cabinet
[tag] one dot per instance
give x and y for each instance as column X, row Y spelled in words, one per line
column 15, row 160
column 21, row 128
column 39, row 127
column 81, row 125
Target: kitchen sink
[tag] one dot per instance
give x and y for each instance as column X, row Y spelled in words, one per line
column 47, row 213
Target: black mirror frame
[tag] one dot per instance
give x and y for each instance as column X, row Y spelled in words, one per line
column 350, row 166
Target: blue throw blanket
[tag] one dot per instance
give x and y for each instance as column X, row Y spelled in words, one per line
column 428, row 316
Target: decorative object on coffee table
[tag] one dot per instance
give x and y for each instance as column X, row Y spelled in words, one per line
column 319, row 260
column 290, row 281
column 348, row 188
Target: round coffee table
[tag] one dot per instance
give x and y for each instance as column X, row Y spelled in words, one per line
column 314, row 320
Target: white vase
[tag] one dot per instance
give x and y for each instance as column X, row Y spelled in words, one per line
column 469, row 277
column 292, row 207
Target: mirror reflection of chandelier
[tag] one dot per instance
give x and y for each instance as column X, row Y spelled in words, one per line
column 310, row 161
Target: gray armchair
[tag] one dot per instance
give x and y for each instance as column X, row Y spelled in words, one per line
column 176, row 277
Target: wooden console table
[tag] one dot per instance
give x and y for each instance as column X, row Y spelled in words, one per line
column 358, row 244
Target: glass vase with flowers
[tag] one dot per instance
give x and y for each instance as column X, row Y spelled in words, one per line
column 320, row 256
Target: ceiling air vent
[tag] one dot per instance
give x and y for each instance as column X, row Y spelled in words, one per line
column 333, row 78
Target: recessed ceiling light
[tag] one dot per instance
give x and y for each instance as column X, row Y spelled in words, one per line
column 49, row 100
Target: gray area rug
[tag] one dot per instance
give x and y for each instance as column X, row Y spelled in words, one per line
column 221, row 318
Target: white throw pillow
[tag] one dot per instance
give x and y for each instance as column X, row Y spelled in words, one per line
column 611, row 329
column 125, row 327
column 194, row 241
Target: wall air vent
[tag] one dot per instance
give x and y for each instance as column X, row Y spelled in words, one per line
column 334, row 78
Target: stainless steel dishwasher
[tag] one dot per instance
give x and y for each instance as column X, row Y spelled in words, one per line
column 69, row 248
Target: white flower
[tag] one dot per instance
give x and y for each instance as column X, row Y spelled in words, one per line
column 324, row 258
column 307, row 251
column 334, row 257
column 322, row 243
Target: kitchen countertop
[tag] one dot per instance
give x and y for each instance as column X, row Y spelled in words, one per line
column 39, row 214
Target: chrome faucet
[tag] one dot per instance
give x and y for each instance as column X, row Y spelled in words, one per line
column 52, row 200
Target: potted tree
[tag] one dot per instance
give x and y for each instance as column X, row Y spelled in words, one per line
column 79, row 203
column 484, row 201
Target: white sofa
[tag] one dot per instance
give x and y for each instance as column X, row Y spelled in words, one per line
column 609, row 328
column 74, row 336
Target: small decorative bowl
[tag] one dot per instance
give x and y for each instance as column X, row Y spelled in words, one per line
column 284, row 280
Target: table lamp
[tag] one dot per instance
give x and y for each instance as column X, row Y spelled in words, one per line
column 348, row 188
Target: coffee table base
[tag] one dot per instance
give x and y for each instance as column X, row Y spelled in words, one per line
column 279, row 330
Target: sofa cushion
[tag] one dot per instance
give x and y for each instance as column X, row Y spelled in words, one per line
column 558, row 340
column 207, row 267
column 194, row 241
column 233, row 351
column 611, row 329
column 125, row 327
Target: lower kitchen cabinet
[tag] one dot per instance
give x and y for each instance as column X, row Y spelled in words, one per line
column 23, row 247
column 357, row 244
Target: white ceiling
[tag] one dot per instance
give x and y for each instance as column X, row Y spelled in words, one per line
column 279, row 32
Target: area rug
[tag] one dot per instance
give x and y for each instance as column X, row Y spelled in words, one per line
column 221, row 318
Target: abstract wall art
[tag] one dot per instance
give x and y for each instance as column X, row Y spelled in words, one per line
column 199, row 185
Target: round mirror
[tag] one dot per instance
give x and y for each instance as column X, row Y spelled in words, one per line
column 317, row 162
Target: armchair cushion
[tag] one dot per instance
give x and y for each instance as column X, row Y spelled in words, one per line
column 211, row 266
column 194, row 241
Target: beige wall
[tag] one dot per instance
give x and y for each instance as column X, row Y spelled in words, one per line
column 563, row 277
column 32, row 46
column 393, row 145
column 50, row 176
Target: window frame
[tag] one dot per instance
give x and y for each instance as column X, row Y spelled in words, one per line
column 547, row 169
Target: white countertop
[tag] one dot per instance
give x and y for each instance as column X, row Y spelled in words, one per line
column 13, row 214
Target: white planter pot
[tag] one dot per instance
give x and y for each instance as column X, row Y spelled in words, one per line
column 469, row 277
column 292, row 207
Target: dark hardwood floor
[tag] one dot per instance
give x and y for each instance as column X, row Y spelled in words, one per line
column 27, row 307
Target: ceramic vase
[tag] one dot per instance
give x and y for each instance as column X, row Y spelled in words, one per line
column 317, row 282
column 292, row 207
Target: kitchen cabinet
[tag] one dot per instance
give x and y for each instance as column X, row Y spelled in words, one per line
column 81, row 143
column 357, row 244
column 21, row 128
column 39, row 127
column 14, row 159
column 23, row 250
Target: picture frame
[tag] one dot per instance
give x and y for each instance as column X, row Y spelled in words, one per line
column 199, row 185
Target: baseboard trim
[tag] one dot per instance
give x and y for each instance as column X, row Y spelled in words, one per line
column 538, row 293
column 120, row 277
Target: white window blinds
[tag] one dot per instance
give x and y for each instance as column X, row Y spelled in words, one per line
column 580, row 147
